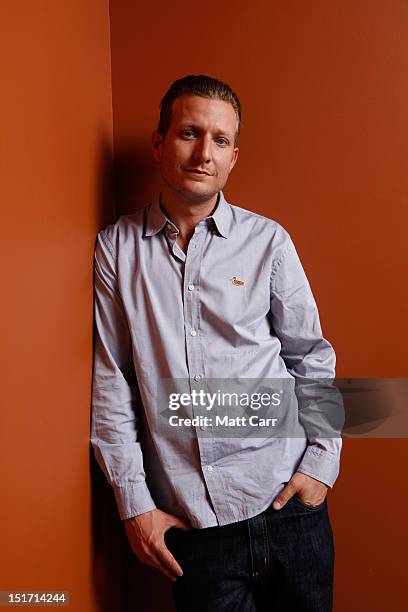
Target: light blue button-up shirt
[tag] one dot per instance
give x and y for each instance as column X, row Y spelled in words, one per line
column 236, row 305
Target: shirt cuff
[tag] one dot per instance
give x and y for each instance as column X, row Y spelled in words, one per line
column 133, row 499
column 320, row 464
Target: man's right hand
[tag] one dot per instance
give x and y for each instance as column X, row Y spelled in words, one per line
column 145, row 533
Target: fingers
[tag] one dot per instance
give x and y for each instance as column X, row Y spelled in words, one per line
column 155, row 562
column 154, row 552
column 160, row 558
column 146, row 536
column 165, row 569
column 180, row 523
column 284, row 496
column 310, row 490
column 167, row 559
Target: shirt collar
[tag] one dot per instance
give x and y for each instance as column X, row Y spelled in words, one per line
column 156, row 219
column 222, row 217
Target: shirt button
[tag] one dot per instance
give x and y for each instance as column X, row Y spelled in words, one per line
column 197, row 377
column 210, row 468
column 191, row 287
column 193, row 332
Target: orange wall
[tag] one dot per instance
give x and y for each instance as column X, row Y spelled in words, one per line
column 324, row 151
column 55, row 158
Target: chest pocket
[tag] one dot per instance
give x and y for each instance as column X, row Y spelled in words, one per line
column 227, row 298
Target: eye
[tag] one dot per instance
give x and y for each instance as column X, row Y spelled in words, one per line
column 188, row 134
column 222, row 141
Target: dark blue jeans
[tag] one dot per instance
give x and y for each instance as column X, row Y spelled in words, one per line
column 278, row 561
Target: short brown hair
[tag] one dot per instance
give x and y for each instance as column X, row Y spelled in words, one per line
column 198, row 85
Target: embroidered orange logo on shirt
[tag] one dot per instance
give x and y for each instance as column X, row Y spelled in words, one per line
column 237, row 281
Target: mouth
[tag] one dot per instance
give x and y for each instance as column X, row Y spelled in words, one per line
column 197, row 172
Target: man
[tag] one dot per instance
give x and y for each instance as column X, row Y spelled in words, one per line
column 191, row 289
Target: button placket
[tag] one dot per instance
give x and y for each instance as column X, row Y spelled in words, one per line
column 195, row 357
column 191, row 308
column 171, row 233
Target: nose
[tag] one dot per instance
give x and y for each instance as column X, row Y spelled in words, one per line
column 202, row 151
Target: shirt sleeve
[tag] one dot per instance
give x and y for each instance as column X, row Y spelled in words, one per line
column 115, row 403
column 311, row 360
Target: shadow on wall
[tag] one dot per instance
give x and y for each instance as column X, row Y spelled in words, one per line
column 120, row 582
column 136, row 180
column 104, row 176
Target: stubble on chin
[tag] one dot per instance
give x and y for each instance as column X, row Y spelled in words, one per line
column 192, row 197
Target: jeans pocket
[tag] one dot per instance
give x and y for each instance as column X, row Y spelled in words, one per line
column 170, row 537
column 309, row 507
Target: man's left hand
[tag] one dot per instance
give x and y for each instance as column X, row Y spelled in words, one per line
column 311, row 491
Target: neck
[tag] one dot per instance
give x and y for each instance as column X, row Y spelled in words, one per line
column 184, row 213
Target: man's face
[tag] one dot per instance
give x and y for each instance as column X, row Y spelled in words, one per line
column 197, row 153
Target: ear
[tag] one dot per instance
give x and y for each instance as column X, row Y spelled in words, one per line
column 234, row 158
column 157, row 144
